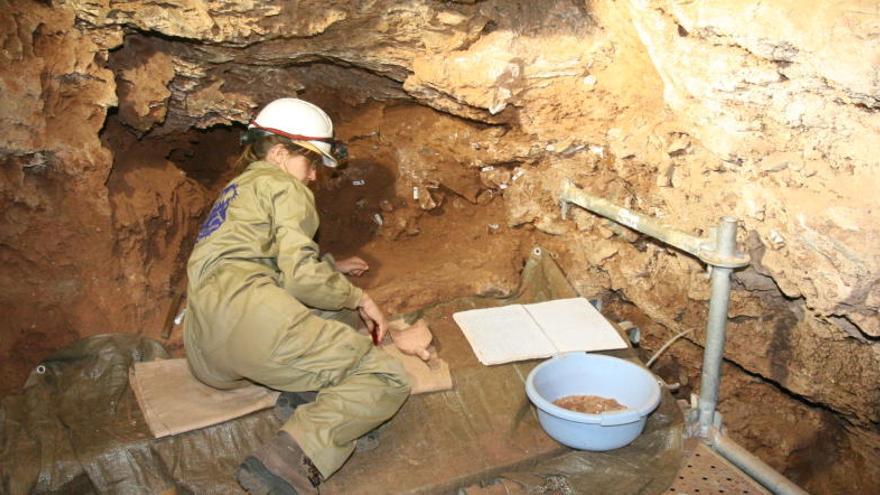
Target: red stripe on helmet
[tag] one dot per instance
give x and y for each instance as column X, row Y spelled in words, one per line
column 295, row 137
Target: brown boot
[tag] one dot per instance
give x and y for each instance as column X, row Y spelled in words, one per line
column 279, row 467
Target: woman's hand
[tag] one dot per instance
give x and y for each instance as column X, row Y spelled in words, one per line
column 414, row 340
column 373, row 317
column 354, row 265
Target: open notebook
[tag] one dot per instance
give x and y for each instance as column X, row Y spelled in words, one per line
column 519, row 332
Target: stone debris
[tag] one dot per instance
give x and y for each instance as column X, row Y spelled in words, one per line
column 589, row 404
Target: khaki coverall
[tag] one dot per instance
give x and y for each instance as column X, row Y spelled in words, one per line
column 256, row 290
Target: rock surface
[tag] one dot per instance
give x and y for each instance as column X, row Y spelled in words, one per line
column 680, row 110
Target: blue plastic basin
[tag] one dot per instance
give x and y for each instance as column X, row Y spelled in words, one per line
column 593, row 374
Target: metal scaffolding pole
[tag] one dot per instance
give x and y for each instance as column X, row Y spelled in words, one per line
column 719, row 252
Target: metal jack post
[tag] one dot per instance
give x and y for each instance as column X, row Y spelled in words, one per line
column 716, row 327
column 719, row 252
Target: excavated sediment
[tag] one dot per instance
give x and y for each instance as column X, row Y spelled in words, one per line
column 120, row 122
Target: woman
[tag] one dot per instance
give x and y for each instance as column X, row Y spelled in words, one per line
column 264, row 307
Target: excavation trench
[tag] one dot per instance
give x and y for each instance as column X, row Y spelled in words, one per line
column 433, row 225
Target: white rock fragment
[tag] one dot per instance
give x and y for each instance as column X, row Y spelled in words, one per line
column 179, row 318
column 497, row 107
column 358, row 182
column 378, row 219
column 776, row 239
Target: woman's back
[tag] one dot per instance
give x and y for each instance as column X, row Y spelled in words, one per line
column 241, row 226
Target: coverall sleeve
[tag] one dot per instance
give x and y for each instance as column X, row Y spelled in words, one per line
column 305, row 276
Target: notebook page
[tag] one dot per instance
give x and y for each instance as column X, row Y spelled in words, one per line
column 503, row 335
column 575, row 325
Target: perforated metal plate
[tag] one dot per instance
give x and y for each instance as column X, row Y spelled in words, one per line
column 705, row 472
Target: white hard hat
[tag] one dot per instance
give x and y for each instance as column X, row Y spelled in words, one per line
column 300, row 121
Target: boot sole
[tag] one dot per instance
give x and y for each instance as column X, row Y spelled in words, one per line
column 253, row 476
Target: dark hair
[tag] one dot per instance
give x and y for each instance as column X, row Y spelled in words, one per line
column 257, row 146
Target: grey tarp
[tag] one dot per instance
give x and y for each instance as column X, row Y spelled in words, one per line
column 76, row 428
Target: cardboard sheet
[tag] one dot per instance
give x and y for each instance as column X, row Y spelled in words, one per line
column 174, row 401
column 432, row 376
column 519, row 332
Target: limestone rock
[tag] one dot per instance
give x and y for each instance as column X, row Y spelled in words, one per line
column 767, row 104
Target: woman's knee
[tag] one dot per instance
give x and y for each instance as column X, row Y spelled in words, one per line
column 393, row 374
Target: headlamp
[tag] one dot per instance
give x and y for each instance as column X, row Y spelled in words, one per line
column 339, row 150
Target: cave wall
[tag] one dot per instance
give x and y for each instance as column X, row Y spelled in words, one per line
column 681, row 110
column 57, row 232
